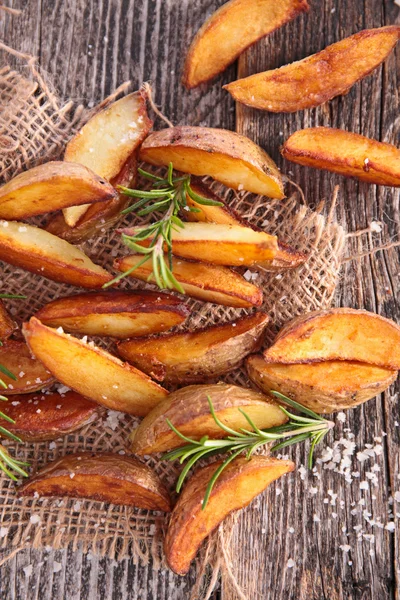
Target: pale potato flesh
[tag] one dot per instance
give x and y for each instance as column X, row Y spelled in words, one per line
column 345, row 153
column 31, row 374
column 209, row 214
column 240, row 482
column 209, row 283
column 52, row 186
column 115, row 314
column 194, row 357
column 317, row 78
column 338, row 334
column 323, row 386
column 45, row 254
column 103, row 477
column 231, row 29
column 107, row 140
column 188, row 410
column 226, row 156
column 93, row 372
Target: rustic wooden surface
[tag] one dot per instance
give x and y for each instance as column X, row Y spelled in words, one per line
column 89, row 47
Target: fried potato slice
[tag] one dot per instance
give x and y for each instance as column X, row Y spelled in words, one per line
column 189, row 411
column 31, row 374
column 107, row 141
column 45, row 254
column 345, row 153
column 7, row 325
column 209, row 283
column 239, row 483
column 209, row 214
column 93, row 372
column 50, row 187
column 317, row 78
column 226, row 156
column 323, row 387
column 40, row 417
column 116, row 314
column 103, row 477
column 194, row 357
column 231, row 29
column 338, row 334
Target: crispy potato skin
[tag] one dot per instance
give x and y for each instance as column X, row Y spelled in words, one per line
column 17, row 358
column 7, row 325
column 231, row 29
column 103, row 477
column 52, row 186
column 43, row 253
column 323, row 387
column 338, row 334
column 92, row 372
column 345, row 153
column 115, row 313
column 209, row 283
column 40, row 417
column 189, row 411
column 240, row 482
column 194, row 357
column 210, row 214
column 226, row 156
column 317, row 78
column 108, row 140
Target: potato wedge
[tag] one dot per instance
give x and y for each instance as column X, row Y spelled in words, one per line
column 52, row 186
column 345, row 153
column 226, row 156
column 107, row 141
column 188, row 410
column 40, row 417
column 7, row 325
column 115, row 314
column 338, row 334
column 31, row 374
column 93, row 372
column 325, row 386
column 40, row 252
column 317, row 78
column 194, row 357
column 103, row 477
column 240, row 482
column 232, row 245
column 205, row 282
column 231, row 29
column 100, row 216
column 209, row 214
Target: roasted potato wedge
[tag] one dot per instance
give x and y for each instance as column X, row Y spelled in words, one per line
column 31, row 374
column 239, row 483
column 45, row 254
column 231, row 29
column 232, row 245
column 104, row 477
column 226, row 156
column 317, row 78
column 338, row 334
column 100, row 216
column 345, row 153
column 205, row 282
column 107, row 141
column 189, row 411
column 115, row 314
column 40, row 417
column 93, row 372
column 7, row 325
column 194, row 357
column 324, row 387
column 209, row 214
column 52, row 186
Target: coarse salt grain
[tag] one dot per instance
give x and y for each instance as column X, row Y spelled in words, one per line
column 28, row 570
column 57, row 567
column 290, row 563
column 3, row 531
column 341, row 417
column 345, row 548
column 34, row 519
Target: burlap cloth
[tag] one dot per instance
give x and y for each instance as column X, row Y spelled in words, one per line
column 34, row 127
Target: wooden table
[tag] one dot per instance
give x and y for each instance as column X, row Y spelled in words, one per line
column 89, row 47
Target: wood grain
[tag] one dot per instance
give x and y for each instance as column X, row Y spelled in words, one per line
column 91, row 46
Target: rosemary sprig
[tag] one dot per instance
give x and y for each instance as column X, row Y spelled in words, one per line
column 311, row 427
column 168, row 197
